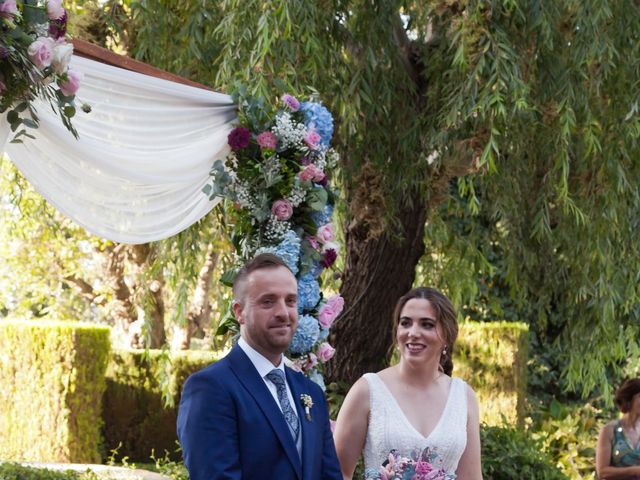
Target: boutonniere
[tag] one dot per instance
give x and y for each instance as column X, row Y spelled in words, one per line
column 308, row 403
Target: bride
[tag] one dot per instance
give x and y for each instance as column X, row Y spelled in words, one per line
column 415, row 404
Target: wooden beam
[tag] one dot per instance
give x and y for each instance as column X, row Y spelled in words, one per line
column 88, row 50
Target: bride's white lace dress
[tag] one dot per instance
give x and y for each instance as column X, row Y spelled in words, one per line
column 390, row 429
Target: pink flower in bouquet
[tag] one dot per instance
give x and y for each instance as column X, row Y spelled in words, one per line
column 311, row 172
column 239, row 138
column 282, row 209
column 291, row 103
column 55, row 9
column 3, row 87
column 62, row 53
column 8, row 9
column 325, row 352
column 267, row 140
column 41, row 52
column 325, row 233
column 312, row 139
column 70, row 86
column 422, row 467
column 330, row 311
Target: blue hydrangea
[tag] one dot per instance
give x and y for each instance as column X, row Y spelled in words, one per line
column 288, row 250
column 308, row 292
column 316, row 376
column 324, row 217
column 316, row 116
column 306, row 335
column 316, row 269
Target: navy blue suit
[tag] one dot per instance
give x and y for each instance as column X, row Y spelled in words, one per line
column 230, row 426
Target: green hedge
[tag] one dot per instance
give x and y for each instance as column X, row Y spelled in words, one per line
column 492, row 358
column 14, row 471
column 135, row 419
column 509, row 453
column 52, row 382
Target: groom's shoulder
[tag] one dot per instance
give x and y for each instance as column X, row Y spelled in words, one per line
column 216, row 370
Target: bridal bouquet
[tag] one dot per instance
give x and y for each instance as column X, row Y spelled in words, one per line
column 34, row 62
column 418, row 466
column 277, row 180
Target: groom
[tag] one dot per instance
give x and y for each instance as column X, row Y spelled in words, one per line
column 248, row 416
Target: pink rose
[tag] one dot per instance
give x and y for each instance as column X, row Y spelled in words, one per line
column 282, row 209
column 55, row 10
column 330, row 311
column 70, row 86
column 325, row 233
column 296, row 365
column 312, row 139
column 267, row 140
column 311, row 172
column 41, row 52
column 8, row 9
column 325, row 352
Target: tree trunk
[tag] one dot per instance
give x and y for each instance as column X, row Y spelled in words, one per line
column 122, row 308
column 382, row 264
column 200, row 310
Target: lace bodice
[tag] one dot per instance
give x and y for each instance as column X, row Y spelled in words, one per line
column 390, row 429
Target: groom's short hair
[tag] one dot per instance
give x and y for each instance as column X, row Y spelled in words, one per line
column 259, row 262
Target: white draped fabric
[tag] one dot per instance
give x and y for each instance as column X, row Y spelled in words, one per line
column 144, row 153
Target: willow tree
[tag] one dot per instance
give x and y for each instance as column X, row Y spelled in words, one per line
column 522, row 112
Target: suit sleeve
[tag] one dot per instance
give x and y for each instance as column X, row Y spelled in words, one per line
column 330, row 463
column 207, row 430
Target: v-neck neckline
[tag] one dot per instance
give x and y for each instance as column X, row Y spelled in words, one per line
column 406, row 419
column 626, row 438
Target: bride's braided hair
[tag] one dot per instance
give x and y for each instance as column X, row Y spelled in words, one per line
column 447, row 319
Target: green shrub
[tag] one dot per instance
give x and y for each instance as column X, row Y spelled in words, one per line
column 569, row 432
column 136, row 421
column 52, row 378
column 492, row 358
column 13, row 471
column 509, row 453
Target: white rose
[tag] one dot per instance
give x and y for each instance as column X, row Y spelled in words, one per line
column 61, row 57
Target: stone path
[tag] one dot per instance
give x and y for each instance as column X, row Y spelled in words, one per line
column 112, row 473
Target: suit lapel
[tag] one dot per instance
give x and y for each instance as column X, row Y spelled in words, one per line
column 308, row 426
column 248, row 376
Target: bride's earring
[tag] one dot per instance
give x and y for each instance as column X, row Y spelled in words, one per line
column 444, row 352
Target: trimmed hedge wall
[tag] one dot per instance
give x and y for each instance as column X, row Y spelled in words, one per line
column 52, row 382
column 492, row 358
column 135, row 419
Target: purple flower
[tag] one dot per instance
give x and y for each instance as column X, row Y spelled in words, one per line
column 291, row 103
column 329, row 257
column 239, row 138
column 304, row 161
column 267, row 140
column 58, row 27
